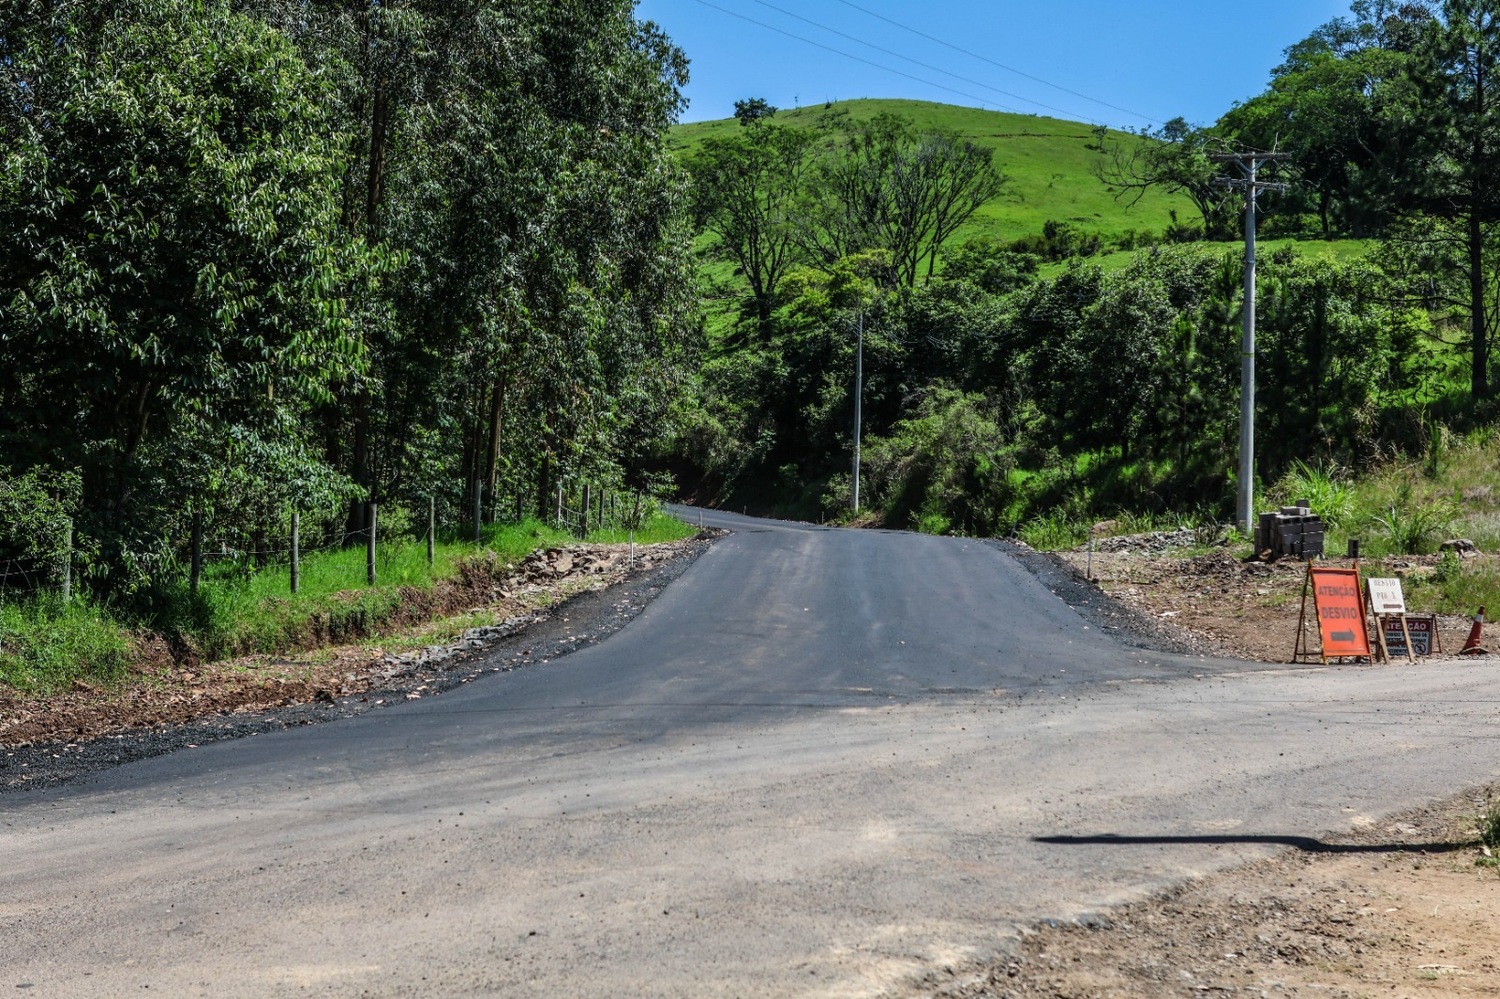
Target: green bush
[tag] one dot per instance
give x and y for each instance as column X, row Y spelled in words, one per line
column 946, row 468
column 1327, row 490
column 1449, row 567
column 1408, row 527
column 36, row 508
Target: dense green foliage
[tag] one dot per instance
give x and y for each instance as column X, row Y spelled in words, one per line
column 266, row 257
column 1096, row 390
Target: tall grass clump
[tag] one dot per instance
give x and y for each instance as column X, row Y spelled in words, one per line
column 46, row 645
column 236, row 612
column 1406, row 526
column 1054, row 532
column 1487, row 827
column 1328, row 490
column 240, row 609
column 655, row 529
column 1458, row 589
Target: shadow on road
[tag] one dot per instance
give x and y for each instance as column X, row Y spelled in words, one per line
column 1306, row 844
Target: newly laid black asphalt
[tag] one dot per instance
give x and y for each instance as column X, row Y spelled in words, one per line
column 818, row 763
column 777, row 618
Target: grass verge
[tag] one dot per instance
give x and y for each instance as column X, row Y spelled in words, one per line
column 46, row 645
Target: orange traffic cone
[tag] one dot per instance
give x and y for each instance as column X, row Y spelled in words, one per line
column 1472, row 646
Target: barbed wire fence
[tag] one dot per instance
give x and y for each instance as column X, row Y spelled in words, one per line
column 581, row 508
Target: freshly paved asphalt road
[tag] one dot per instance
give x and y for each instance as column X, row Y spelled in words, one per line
column 822, row 763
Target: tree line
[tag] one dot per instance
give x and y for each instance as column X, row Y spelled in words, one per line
column 777, row 197
column 994, row 395
column 276, row 255
column 1392, row 118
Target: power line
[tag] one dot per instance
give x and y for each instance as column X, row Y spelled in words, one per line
column 981, row 101
column 917, row 62
column 1000, row 65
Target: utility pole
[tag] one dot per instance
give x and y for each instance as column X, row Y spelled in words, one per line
column 1249, row 164
column 859, row 391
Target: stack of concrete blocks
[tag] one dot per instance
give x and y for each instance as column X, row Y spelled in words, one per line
column 1294, row 532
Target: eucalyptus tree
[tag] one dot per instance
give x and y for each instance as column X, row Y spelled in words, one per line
column 748, row 191
column 881, row 184
column 169, row 193
column 1446, row 140
column 1173, row 159
column 510, row 157
column 563, row 262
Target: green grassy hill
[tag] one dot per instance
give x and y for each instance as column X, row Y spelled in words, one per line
column 1338, row 251
column 1050, row 164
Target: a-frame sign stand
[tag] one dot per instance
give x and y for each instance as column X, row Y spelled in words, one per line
column 1388, row 604
column 1339, row 610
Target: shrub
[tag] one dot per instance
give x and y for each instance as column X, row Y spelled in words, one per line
column 1449, row 567
column 1489, row 827
column 1326, row 489
column 1054, row 532
column 35, row 518
column 1408, row 528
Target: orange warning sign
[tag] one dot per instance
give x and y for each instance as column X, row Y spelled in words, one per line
column 1341, row 612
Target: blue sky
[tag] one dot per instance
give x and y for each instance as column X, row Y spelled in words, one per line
column 1126, row 64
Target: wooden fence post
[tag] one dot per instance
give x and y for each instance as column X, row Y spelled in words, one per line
column 431, row 530
column 370, row 544
column 296, row 549
column 559, row 504
column 195, row 566
column 588, row 508
column 67, row 565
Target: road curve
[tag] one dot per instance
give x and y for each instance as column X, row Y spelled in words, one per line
column 822, row 763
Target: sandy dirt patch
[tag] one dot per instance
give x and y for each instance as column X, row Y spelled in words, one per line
column 1401, row 910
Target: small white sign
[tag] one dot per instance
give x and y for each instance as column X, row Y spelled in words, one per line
column 1386, row 596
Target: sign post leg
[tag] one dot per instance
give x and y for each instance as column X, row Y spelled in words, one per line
column 1301, row 648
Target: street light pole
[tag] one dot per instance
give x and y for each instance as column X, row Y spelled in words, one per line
column 859, row 391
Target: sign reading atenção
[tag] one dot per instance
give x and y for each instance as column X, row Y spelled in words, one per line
column 1421, row 629
column 1341, row 612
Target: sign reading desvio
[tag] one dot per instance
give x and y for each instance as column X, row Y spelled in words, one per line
column 1341, row 612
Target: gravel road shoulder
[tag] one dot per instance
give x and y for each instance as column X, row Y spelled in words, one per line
column 557, row 601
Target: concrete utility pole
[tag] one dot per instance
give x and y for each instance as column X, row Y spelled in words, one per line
column 1248, row 163
column 859, row 391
